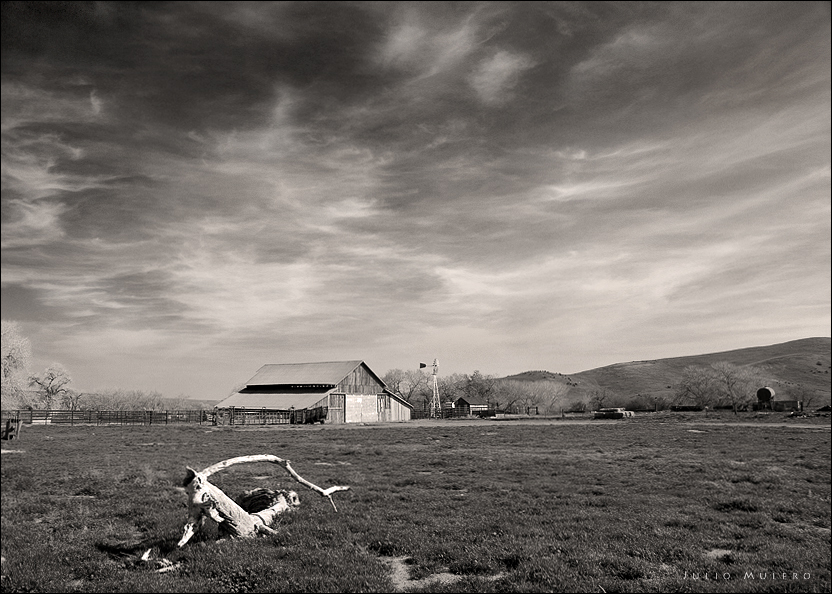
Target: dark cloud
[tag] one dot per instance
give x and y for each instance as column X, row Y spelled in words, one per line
column 485, row 176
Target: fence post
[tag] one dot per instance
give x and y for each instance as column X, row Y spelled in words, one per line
column 166, row 417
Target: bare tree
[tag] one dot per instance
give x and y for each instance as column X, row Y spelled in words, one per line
column 601, row 397
column 737, row 385
column 545, row 395
column 451, row 386
column 698, row 384
column 805, row 395
column 412, row 385
column 551, row 395
column 16, row 357
column 52, row 385
column 120, row 399
column 393, row 379
column 71, row 399
column 510, row 395
column 479, row 385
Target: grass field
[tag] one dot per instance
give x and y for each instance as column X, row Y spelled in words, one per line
column 652, row 504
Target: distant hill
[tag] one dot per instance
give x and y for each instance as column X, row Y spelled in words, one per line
column 804, row 363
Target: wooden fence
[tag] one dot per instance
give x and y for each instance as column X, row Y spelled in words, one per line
column 464, row 412
column 167, row 417
column 107, row 417
column 249, row 416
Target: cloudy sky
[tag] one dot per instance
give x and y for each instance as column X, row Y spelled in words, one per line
column 192, row 190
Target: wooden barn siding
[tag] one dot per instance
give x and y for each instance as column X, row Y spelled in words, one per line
column 359, row 381
column 390, row 409
column 336, row 404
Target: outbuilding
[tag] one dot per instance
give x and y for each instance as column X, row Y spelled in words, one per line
column 470, row 405
column 328, row 392
column 787, row 405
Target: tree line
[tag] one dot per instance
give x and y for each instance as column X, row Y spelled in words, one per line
column 509, row 395
column 51, row 389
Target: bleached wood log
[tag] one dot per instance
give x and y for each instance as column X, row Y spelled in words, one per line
column 206, row 500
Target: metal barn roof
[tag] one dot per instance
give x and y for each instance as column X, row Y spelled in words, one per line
column 303, row 374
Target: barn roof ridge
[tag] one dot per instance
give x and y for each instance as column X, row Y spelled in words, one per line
column 319, row 373
column 356, row 361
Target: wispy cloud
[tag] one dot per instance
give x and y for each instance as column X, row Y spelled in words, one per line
column 496, row 76
column 501, row 186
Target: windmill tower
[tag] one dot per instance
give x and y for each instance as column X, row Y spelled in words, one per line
column 435, row 405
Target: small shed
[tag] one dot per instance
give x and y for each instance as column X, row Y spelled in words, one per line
column 787, row 405
column 327, row 392
column 470, row 405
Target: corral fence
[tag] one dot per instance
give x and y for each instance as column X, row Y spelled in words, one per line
column 531, row 411
column 249, row 416
column 168, row 417
column 107, row 417
column 462, row 412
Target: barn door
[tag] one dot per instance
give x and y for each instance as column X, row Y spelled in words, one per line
column 361, row 408
column 384, row 408
column 369, row 412
column 354, row 404
column 337, row 406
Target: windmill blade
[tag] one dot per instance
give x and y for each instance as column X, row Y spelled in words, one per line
column 422, row 365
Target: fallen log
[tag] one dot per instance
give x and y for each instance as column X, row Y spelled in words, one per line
column 244, row 519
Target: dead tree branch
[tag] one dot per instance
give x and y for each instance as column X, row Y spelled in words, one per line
column 207, row 501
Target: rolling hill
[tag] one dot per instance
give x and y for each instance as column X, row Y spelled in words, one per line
column 789, row 367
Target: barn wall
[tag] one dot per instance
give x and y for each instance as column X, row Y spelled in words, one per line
column 390, row 409
column 359, row 381
column 398, row 411
column 358, row 398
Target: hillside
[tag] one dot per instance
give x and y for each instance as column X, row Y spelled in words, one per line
column 788, row 366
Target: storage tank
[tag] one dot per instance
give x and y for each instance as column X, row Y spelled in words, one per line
column 765, row 394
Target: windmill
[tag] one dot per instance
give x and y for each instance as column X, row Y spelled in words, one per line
column 435, row 405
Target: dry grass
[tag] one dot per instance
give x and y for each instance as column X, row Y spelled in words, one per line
column 620, row 506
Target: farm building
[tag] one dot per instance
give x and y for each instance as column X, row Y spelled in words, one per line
column 787, row 405
column 332, row 392
column 470, row 405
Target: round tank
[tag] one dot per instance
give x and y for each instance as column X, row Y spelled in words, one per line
column 765, row 394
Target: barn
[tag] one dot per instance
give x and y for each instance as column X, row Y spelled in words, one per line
column 329, row 392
